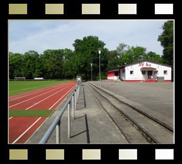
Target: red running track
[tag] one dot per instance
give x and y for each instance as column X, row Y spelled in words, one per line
column 45, row 98
column 21, row 128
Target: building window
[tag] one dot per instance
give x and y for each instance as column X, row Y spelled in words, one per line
column 165, row 72
column 143, row 72
column 131, row 72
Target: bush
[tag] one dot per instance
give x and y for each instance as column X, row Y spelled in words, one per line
column 103, row 77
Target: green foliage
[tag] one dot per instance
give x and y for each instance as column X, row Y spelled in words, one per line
column 132, row 54
column 65, row 63
column 153, row 57
column 15, row 64
column 52, row 63
column 30, row 64
column 103, row 77
column 166, row 39
column 86, row 52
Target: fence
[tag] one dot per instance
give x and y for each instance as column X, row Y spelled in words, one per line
column 56, row 124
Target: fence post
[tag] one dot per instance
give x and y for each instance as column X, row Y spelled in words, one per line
column 77, row 94
column 73, row 110
column 75, row 99
column 58, row 133
column 69, row 125
column 79, row 89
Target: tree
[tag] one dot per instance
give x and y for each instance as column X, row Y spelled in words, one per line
column 114, row 60
column 52, row 62
column 86, row 52
column 153, row 57
column 30, row 64
column 133, row 54
column 166, row 39
column 121, row 49
column 138, row 53
column 15, row 65
column 69, row 69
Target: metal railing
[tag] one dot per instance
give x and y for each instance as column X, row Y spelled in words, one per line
column 56, row 124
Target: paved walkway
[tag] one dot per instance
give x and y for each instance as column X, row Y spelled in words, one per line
column 91, row 124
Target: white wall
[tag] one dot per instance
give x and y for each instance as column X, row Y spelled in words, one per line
column 137, row 73
column 161, row 72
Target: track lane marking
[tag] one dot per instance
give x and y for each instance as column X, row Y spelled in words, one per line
column 46, row 98
column 10, row 118
column 26, row 130
column 60, row 98
column 32, row 98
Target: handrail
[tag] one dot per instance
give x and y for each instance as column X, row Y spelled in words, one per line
column 56, row 123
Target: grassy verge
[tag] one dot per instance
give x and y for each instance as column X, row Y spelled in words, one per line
column 17, row 87
column 30, row 113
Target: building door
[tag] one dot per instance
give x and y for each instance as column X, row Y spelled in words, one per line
column 155, row 74
column 149, row 74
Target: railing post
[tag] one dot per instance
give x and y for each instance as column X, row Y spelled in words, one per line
column 75, row 99
column 77, row 94
column 73, row 110
column 69, row 124
column 78, row 91
column 58, row 133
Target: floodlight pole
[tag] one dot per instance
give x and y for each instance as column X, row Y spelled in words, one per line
column 91, row 71
column 99, row 49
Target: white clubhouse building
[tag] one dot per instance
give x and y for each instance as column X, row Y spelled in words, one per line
column 147, row 71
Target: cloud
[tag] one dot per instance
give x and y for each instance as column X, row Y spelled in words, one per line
column 59, row 34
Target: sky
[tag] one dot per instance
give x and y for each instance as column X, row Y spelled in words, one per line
column 40, row 35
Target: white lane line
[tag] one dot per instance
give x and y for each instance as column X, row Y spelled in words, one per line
column 46, row 98
column 10, row 118
column 60, row 98
column 26, row 130
column 32, row 98
column 33, row 92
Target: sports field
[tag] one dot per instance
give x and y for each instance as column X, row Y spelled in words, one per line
column 31, row 103
column 17, row 87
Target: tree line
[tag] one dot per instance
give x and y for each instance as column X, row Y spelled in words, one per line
column 66, row 63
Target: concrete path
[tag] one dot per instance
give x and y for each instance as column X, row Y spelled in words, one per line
column 90, row 126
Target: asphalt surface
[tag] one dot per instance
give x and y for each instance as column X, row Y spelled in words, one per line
column 158, row 128
column 156, row 96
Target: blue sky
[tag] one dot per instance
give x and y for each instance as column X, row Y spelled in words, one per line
column 40, row 35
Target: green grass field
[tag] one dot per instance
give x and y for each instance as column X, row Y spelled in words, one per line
column 30, row 113
column 17, row 87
